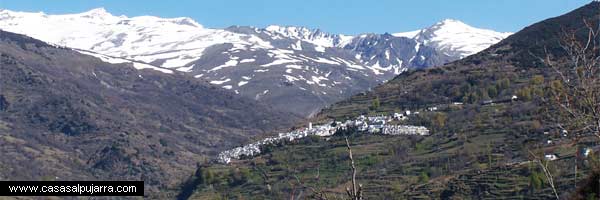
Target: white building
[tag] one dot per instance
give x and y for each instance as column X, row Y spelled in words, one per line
column 551, row 157
column 587, row 152
column 373, row 125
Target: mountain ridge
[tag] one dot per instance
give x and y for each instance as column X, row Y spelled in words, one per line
column 274, row 64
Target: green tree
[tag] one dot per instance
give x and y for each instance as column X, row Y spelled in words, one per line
column 483, row 94
column 536, row 180
column 470, row 97
column 504, row 84
column 537, row 80
column 557, row 87
column 238, row 176
column 375, row 103
column 423, row 177
column 209, row 176
column 466, row 88
column 525, row 94
column 492, row 91
column 455, row 92
column 537, row 92
column 439, row 120
column 489, row 152
column 200, row 174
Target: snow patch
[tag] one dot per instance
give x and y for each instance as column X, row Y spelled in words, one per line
column 248, row 60
column 230, row 63
column 290, row 78
column 220, row 81
column 186, row 69
column 320, row 48
column 318, row 79
column 297, row 45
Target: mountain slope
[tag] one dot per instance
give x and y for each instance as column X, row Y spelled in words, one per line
column 69, row 116
column 487, row 118
column 274, row 64
column 519, row 52
column 510, row 130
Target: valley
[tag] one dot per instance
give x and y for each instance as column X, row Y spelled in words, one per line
column 446, row 111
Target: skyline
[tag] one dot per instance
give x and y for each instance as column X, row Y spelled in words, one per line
column 335, row 16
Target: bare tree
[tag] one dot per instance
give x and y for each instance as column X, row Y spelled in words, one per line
column 549, row 177
column 355, row 193
column 575, row 95
column 573, row 103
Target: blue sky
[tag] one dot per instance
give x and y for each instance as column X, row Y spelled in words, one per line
column 336, row 16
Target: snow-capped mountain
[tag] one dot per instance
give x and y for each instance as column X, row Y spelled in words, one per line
column 167, row 43
column 293, row 68
column 455, row 38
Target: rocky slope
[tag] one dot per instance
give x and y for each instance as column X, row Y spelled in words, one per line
column 276, row 64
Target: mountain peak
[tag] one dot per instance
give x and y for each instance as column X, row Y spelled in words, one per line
column 451, row 24
column 97, row 12
column 456, row 38
column 186, row 21
column 315, row 36
column 451, row 21
column 286, row 30
column 444, row 24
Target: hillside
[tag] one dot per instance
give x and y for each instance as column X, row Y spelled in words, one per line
column 70, row 116
column 483, row 138
column 515, row 58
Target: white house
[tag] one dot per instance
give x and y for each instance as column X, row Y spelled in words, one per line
column 551, row 157
column 587, row 151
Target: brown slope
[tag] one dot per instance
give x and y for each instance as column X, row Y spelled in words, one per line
column 68, row 116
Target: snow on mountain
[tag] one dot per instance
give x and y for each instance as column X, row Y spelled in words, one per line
column 455, row 38
column 168, row 43
column 314, row 36
column 276, row 64
column 410, row 34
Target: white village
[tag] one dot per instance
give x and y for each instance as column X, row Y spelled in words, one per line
column 372, row 125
